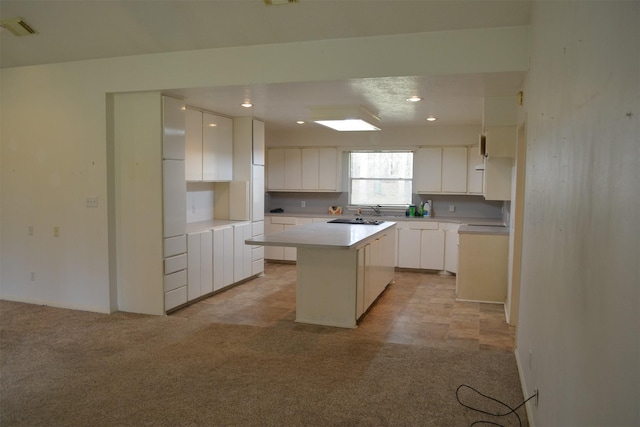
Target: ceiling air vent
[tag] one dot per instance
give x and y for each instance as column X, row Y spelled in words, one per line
column 17, row 26
column 274, row 2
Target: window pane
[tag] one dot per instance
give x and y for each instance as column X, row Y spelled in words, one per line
column 380, row 192
column 382, row 165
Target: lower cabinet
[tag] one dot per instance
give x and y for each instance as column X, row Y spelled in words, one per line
column 175, row 271
column 420, row 245
column 375, row 271
column 200, row 264
column 241, row 252
column 276, row 224
column 451, row 240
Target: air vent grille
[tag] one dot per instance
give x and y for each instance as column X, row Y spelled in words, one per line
column 17, row 26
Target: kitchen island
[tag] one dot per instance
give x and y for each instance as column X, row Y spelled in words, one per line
column 341, row 268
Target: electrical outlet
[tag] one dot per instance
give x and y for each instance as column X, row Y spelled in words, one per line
column 303, row 204
column 92, row 202
column 452, row 208
column 56, row 231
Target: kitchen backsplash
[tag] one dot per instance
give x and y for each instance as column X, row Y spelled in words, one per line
column 315, row 203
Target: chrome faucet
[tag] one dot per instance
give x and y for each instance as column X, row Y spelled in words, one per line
column 376, row 209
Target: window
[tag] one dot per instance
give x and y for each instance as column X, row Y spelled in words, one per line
column 381, row 178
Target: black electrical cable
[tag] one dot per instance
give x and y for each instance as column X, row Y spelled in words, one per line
column 511, row 410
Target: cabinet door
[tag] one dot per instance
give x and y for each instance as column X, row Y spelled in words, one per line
column 206, row 262
column 451, row 248
column 218, row 259
column 242, row 252
column 292, row 169
column 427, row 170
column 193, row 266
column 432, row 249
column 273, row 252
column 173, row 126
column 497, row 179
column 258, row 143
column 227, row 256
column 328, row 169
column 289, row 253
column 310, row 168
column 408, row 248
column 217, row 147
column 275, row 169
column 474, row 177
column 174, row 198
column 193, row 150
column 257, row 193
column 454, row 169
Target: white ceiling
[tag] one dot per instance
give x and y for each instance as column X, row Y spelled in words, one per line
column 89, row 29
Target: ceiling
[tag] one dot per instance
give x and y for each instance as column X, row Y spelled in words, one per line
column 90, row 29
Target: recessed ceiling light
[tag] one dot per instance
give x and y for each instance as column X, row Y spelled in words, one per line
column 432, row 119
column 414, row 98
column 212, row 125
column 300, row 122
column 247, row 104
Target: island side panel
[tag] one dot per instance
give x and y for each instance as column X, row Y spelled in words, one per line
column 326, row 287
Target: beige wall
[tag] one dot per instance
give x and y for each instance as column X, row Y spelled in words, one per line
column 579, row 327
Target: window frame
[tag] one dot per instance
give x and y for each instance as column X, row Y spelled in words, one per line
column 390, row 205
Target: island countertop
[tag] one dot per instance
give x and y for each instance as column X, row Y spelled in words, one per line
column 323, row 235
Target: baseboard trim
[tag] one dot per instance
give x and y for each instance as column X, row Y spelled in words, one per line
column 527, row 405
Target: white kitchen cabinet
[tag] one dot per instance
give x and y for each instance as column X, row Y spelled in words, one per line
column 276, row 224
column 257, row 193
column 241, row 252
column 319, row 169
column 500, row 141
column 432, row 249
column 450, row 246
column 483, row 268
column 293, row 169
column 257, row 252
column 173, row 129
column 217, row 148
column 427, row 170
column 209, row 147
column 228, row 255
column 275, row 169
column 258, row 143
column 420, row 245
column 302, row 169
column 454, row 170
column 193, row 145
column 375, row 271
column 474, row 177
column 200, row 264
column 497, row 178
column 174, row 198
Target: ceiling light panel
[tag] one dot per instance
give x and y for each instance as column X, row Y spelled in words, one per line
column 346, row 118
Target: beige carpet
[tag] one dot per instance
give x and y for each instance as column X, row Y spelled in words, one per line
column 70, row 368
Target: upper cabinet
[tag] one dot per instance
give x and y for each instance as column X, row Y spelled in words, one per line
column 474, row 176
column 258, row 143
column 302, row 169
column 500, row 141
column 173, row 128
column 440, row 170
column 209, row 147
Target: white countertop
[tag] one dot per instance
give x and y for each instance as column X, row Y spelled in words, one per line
column 323, row 235
column 196, row 227
column 451, row 219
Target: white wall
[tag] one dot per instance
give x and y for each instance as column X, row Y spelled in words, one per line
column 54, row 151
column 580, row 301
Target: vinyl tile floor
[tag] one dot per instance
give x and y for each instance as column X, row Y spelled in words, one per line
column 418, row 308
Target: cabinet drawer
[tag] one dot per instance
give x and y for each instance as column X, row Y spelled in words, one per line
column 283, row 220
column 175, row 246
column 175, row 280
column 417, row 225
column 257, row 228
column 175, row 298
column 257, row 253
column 175, row 263
column 257, row 266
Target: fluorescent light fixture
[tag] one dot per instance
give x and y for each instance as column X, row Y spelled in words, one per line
column 345, row 118
column 17, row 26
